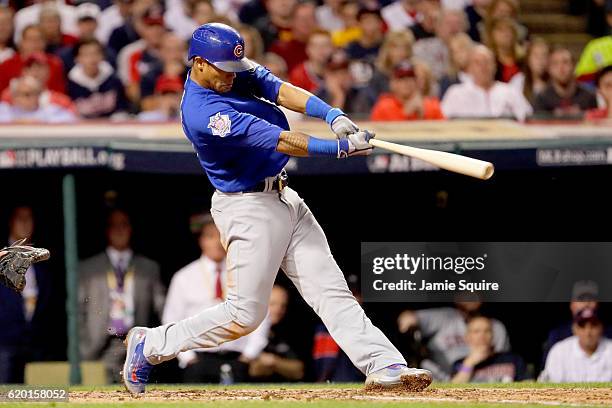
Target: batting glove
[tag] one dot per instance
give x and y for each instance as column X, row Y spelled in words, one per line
column 342, row 126
column 356, row 144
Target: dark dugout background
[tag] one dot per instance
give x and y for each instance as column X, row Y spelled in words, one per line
column 563, row 204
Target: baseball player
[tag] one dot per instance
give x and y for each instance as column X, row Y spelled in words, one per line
column 229, row 113
column 15, row 261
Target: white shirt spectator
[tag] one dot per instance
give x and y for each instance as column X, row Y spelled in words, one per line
column 567, row 362
column 44, row 114
column 446, row 329
column 327, row 20
column 108, row 20
column 397, row 18
column 192, row 290
column 29, row 15
column 467, row 100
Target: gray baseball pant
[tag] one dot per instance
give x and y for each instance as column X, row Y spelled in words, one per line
column 262, row 232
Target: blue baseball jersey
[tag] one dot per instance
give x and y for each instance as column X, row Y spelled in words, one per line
column 235, row 134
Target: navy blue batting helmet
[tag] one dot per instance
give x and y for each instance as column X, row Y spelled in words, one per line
column 220, row 45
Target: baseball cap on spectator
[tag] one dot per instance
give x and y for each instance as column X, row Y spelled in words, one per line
column 153, row 16
column 586, row 315
column 403, row 70
column 198, row 221
column 87, row 11
column 36, row 58
column 166, row 83
column 585, row 290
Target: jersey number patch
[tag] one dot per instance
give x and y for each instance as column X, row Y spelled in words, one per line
column 220, row 125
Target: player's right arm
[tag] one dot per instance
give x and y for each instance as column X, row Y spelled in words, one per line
column 302, row 145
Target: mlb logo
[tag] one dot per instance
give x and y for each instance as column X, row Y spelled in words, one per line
column 220, row 125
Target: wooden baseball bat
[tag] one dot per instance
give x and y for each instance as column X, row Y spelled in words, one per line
column 448, row 161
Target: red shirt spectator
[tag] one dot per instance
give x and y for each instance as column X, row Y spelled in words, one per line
column 309, row 74
column 50, row 23
column 405, row 102
column 293, row 51
column 31, row 42
column 37, row 66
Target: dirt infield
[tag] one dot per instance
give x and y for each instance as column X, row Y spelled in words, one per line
column 549, row 396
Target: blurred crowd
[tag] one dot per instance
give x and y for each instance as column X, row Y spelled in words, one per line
column 120, row 288
column 63, row 61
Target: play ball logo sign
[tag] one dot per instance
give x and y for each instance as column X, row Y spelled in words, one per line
column 239, row 51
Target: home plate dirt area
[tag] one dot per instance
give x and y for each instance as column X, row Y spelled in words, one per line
column 564, row 396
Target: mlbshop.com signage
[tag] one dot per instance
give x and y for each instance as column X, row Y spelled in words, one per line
column 486, row 271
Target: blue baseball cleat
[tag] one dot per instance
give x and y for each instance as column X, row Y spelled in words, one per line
column 136, row 368
column 399, row 376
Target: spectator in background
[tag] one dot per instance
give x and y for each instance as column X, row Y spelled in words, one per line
column 26, row 93
column 535, row 68
column 139, row 58
column 396, row 47
column 329, row 15
column 444, row 330
column 309, row 75
column 6, row 34
column 372, row 35
column 507, row 9
column 30, row 16
column 250, row 11
column 563, row 97
column 484, row 97
column 32, row 41
column 584, row 296
column 118, row 290
column 584, row 357
column 198, row 286
column 426, row 26
column 92, row 83
column 25, row 317
column 37, row 66
column 502, row 39
column 127, row 33
column 50, row 24
column 476, row 13
column 170, row 62
column 426, row 83
column 598, row 52
column 111, row 18
column 193, row 13
column 278, row 362
column 275, row 25
column 434, row 51
column 253, row 44
column 459, row 47
column 350, row 30
column 402, row 14
column 339, row 87
column 303, row 23
column 604, row 88
column 167, row 100
column 405, row 102
column 87, row 24
column 483, row 364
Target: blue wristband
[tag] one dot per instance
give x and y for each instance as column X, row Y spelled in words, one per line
column 321, row 147
column 317, row 108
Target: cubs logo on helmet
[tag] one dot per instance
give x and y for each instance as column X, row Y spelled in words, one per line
column 221, row 46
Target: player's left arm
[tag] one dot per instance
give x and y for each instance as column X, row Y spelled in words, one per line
column 267, row 85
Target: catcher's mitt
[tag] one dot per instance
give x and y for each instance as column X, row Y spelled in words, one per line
column 15, row 262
